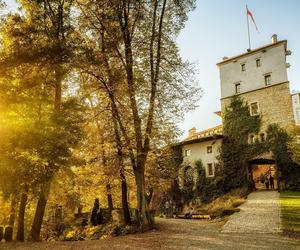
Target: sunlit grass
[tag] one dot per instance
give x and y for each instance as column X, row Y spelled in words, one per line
column 224, row 205
column 290, row 208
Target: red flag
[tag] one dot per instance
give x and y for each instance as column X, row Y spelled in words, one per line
column 249, row 13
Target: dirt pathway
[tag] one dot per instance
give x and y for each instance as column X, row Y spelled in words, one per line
column 174, row 234
column 259, row 214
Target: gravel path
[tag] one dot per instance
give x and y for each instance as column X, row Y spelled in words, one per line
column 174, row 234
column 259, row 214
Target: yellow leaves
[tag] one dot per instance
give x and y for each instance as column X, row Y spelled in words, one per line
column 70, row 234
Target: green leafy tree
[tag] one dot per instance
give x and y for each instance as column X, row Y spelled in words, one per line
column 294, row 145
column 281, row 145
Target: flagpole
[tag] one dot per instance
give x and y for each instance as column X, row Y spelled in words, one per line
column 248, row 27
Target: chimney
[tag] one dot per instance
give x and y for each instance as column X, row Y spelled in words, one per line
column 274, row 38
column 192, row 131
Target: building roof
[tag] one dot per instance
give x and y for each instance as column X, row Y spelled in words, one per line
column 296, row 93
column 201, row 139
column 218, row 130
column 252, row 52
column 204, row 135
column 264, row 158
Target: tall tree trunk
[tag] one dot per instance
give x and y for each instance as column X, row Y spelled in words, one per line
column 43, row 197
column 39, row 212
column 125, row 206
column 144, row 215
column 109, row 198
column 58, row 88
column 21, row 215
column 142, row 148
column 149, row 196
column 12, row 215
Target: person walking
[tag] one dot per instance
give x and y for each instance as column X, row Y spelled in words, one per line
column 267, row 182
column 271, row 179
column 167, row 207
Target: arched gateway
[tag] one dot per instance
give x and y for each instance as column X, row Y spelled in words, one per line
column 263, row 172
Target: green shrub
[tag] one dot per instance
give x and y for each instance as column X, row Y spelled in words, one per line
column 96, row 232
column 209, row 191
column 201, row 177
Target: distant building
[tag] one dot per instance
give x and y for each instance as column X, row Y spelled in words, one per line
column 259, row 76
column 296, row 107
column 202, row 146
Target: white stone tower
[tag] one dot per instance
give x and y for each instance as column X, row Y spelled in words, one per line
column 259, row 76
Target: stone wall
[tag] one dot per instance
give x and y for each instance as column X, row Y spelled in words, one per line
column 275, row 105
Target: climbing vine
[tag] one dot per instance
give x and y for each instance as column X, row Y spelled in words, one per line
column 236, row 150
column 206, row 188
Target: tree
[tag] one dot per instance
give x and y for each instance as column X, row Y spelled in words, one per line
column 37, row 42
column 294, row 145
column 281, row 145
column 152, row 95
column 134, row 76
column 161, row 172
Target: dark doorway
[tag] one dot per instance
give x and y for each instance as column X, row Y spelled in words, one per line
column 264, row 174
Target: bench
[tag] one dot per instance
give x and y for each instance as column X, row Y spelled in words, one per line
column 196, row 216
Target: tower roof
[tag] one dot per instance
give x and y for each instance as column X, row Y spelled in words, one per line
column 252, row 52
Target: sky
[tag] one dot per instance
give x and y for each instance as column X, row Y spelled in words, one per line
column 218, row 28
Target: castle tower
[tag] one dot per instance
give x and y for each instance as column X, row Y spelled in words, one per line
column 259, row 76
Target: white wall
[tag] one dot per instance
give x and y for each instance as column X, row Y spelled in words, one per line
column 273, row 61
column 296, row 107
column 199, row 152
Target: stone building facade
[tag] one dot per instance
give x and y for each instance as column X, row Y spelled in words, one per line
column 273, row 103
column 202, row 146
column 259, row 76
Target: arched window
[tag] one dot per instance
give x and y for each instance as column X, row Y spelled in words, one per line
column 262, row 137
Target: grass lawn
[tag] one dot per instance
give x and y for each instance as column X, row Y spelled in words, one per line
column 290, row 208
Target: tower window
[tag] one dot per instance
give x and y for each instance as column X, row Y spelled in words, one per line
column 262, row 137
column 187, row 152
column 252, row 139
column 258, row 63
column 243, row 67
column 209, row 149
column 268, row 80
column 254, row 109
column 237, row 88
